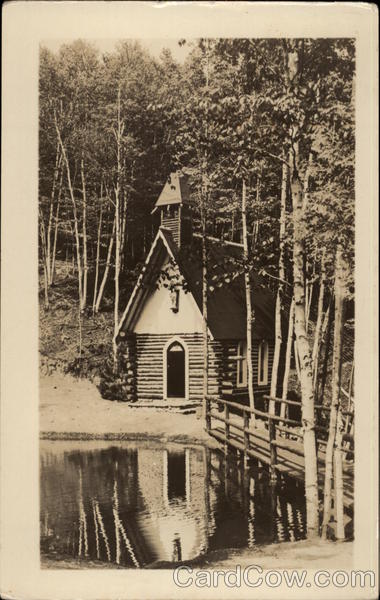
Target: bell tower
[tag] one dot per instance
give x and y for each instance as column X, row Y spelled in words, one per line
column 174, row 208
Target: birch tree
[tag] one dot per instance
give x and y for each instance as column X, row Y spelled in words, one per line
column 334, row 442
column 248, row 298
column 119, row 131
column 293, row 51
column 281, row 280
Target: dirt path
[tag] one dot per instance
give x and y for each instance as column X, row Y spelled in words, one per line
column 73, row 409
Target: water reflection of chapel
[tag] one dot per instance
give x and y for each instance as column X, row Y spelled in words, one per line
column 171, row 483
column 137, row 507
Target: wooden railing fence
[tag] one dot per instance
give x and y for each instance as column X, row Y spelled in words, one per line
column 275, row 432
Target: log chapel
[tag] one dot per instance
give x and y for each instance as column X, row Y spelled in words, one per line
column 160, row 333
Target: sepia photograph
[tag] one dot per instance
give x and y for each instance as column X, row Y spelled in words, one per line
column 196, row 221
column 196, row 278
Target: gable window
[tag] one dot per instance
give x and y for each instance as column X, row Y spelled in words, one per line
column 262, row 370
column 241, row 363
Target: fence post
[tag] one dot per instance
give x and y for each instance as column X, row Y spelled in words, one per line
column 283, row 409
column 283, row 415
column 273, row 449
column 208, row 415
column 226, row 427
column 246, row 438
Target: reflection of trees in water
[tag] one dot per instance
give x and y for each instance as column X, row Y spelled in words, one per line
column 83, row 540
column 136, row 507
column 119, row 527
column 98, row 523
column 84, row 521
column 97, row 516
column 249, row 510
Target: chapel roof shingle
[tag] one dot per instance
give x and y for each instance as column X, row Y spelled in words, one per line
column 175, row 191
column 226, row 296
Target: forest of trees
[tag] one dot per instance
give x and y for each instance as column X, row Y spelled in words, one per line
column 265, row 129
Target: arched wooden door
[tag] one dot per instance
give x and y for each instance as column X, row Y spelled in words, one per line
column 176, row 371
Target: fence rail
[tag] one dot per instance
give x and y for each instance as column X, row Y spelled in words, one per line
column 275, row 440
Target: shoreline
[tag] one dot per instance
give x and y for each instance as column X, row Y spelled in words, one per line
column 303, row 554
column 128, row 437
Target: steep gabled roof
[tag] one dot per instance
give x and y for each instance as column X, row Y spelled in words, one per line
column 159, row 247
column 176, row 191
column 226, row 296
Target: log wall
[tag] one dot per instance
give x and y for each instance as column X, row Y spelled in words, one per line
column 150, row 365
column 230, row 387
column 146, row 359
column 127, row 366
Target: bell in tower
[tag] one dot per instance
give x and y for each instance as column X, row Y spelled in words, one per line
column 174, row 208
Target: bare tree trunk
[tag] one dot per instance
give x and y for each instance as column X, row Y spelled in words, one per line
column 297, row 360
column 318, row 326
column 67, row 258
column 98, row 250
column 248, row 296
column 309, row 284
column 56, row 221
column 46, row 288
column 285, row 384
column 307, row 180
column 293, row 71
column 44, row 259
column 257, row 221
column 309, row 299
column 116, row 276
column 255, row 234
column 80, row 337
column 107, row 268
column 204, row 304
column 280, row 289
column 336, row 380
column 338, row 477
column 204, row 206
column 118, row 135
column 58, row 159
column 326, row 354
column 123, row 228
column 75, row 212
column 307, row 392
column 84, row 233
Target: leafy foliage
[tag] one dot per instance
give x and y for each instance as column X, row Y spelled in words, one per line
column 229, row 113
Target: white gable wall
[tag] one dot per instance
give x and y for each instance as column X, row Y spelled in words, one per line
column 156, row 315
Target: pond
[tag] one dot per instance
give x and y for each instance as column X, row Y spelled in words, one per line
column 138, row 505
